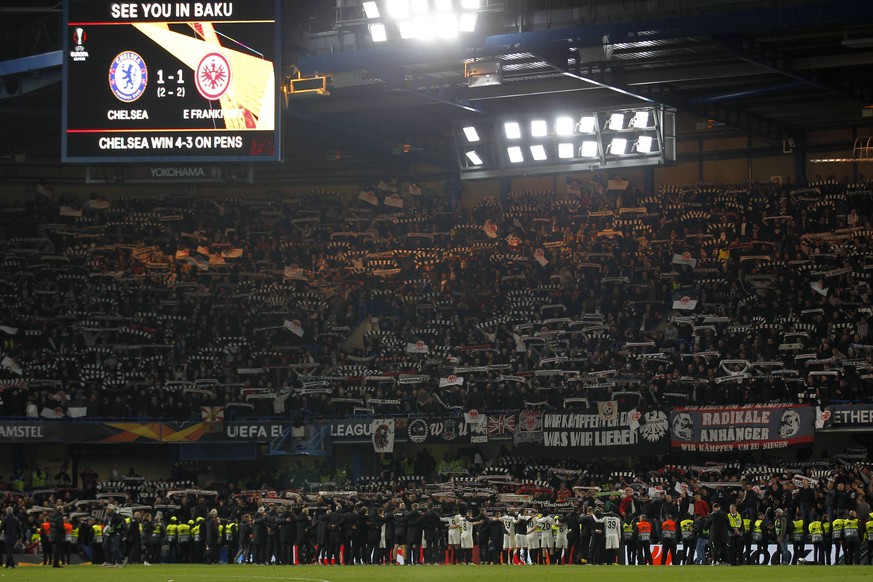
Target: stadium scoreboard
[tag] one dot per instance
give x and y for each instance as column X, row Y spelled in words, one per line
column 171, row 81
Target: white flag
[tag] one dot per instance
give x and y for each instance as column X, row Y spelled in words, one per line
column 294, row 327
column 383, row 435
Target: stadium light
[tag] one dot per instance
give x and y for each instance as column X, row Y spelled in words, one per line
column 566, row 150
column 467, row 22
column 640, row 120
column 378, row 32
column 471, row 134
column 586, row 124
column 398, row 9
column 644, row 144
column 406, row 28
column 474, row 158
column 420, row 6
column 371, row 10
column 538, row 153
column 443, row 5
column 515, row 155
column 445, row 25
column 588, row 149
column 512, row 129
column 471, row 4
column 564, row 126
column 538, row 128
column 616, row 121
column 424, row 27
column 618, row 146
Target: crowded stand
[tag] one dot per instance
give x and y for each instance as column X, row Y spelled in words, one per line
column 321, row 307
column 597, row 324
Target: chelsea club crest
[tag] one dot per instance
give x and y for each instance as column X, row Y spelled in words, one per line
column 128, row 76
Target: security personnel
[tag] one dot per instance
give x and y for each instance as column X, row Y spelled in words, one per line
column 97, row 543
column 158, row 539
column 197, row 541
column 798, row 537
column 816, row 536
column 827, row 538
column 627, row 538
column 172, row 537
column 231, row 538
column 837, row 536
column 644, row 540
column 184, row 536
column 747, row 537
column 668, row 540
column 759, row 537
column 686, row 526
column 851, row 537
column 735, row 536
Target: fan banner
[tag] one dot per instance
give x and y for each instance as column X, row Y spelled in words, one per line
column 741, row 428
column 382, row 431
column 843, row 416
column 590, row 433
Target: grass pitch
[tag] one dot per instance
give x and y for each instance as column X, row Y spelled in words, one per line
column 236, row 573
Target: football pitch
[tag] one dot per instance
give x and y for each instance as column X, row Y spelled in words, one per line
column 221, row 573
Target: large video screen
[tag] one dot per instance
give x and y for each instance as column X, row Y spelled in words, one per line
column 171, row 81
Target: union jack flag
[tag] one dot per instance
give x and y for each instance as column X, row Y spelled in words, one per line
column 501, row 424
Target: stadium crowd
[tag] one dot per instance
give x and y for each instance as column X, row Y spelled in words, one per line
column 155, row 307
column 511, row 511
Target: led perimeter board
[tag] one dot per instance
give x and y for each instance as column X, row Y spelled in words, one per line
column 172, row 81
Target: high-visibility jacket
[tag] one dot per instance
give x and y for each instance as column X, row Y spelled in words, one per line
column 736, row 523
column 687, row 527
column 668, row 531
column 644, row 531
column 837, row 526
column 815, row 531
column 172, row 533
column 850, row 530
column 627, row 531
column 758, row 531
column 799, row 533
column 97, row 528
column 184, row 533
column 230, row 532
column 195, row 532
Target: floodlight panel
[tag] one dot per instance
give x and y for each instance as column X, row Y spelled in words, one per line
column 420, row 6
column 538, row 153
column 397, row 9
column 618, row 146
column 586, row 124
column 538, row 128
column 443, row 5
column 378, row 32
column 641, row 119
column 471, row 134
column 446, row 25
column 566, row 150
column 467, row 22
column 512, row 129
column 644, row 144
column 406, row 28
column 564, row 126
column 371, row 10
column 474, row 158
column 589, row 149
column 616, row 121
column 424, row 27
column 471, row 4
column 515, row 155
